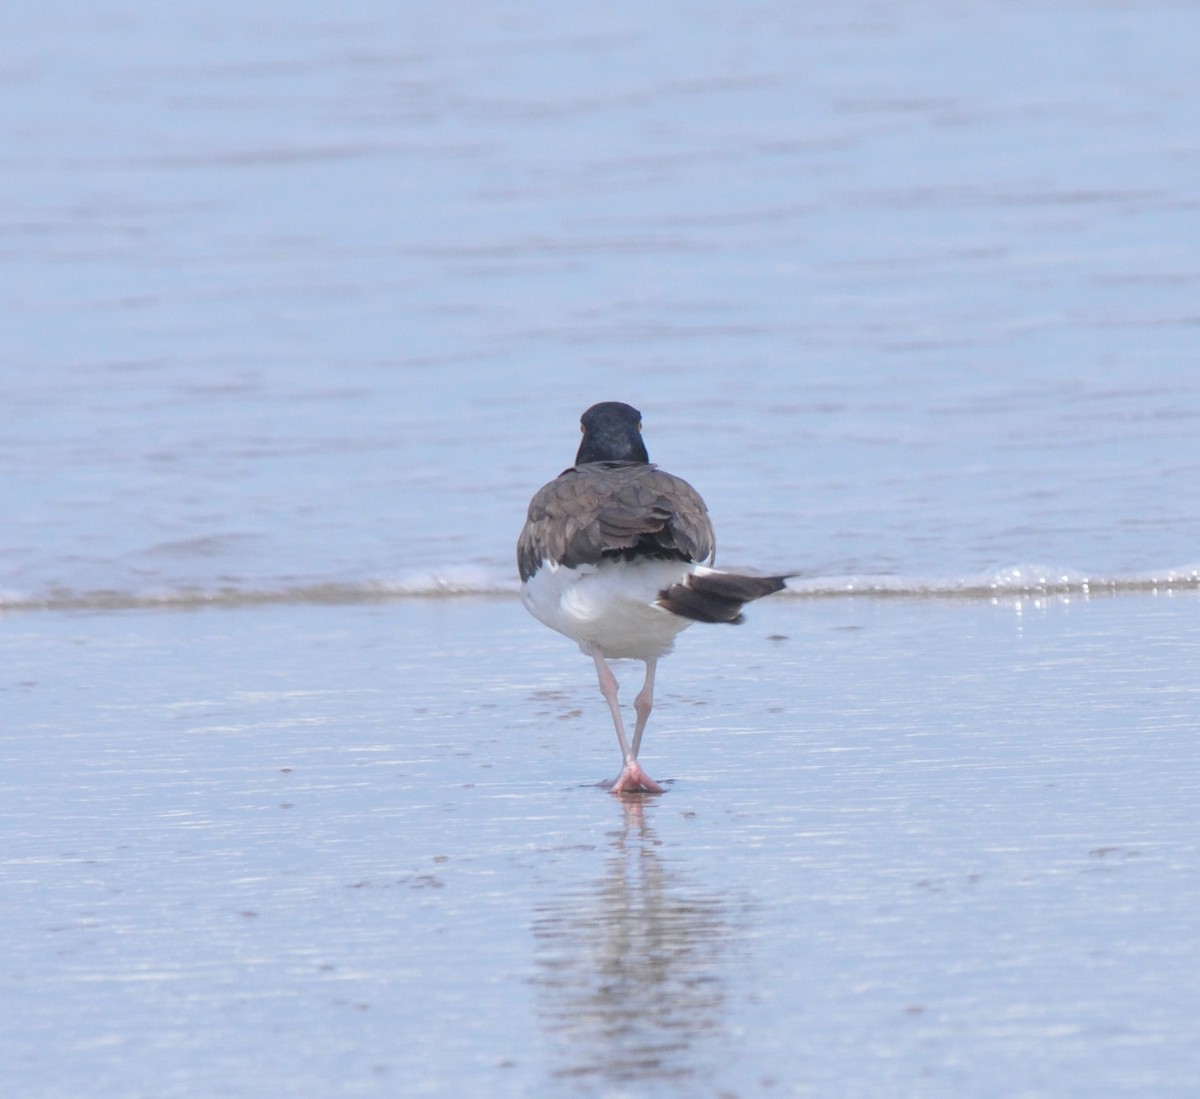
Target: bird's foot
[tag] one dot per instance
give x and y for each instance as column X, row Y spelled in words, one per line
column 633, row 780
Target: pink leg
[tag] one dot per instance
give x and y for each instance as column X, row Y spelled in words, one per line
column 643, row 704
column 632, row 779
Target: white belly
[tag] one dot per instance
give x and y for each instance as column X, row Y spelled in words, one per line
column 609, row 606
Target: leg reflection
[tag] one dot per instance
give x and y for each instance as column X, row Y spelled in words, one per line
column 633, row 968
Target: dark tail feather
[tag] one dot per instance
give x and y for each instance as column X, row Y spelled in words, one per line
column 717, row 597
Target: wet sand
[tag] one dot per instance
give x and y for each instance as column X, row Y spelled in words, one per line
column 908, row 847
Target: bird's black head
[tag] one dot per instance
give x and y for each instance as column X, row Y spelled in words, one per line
column 612, row 432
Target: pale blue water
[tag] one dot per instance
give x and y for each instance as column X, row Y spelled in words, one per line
column 299, row 297
column 299, row 305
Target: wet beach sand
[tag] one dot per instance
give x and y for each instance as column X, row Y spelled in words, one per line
column 909, row 847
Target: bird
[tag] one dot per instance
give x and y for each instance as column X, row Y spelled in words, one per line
column 617, row 555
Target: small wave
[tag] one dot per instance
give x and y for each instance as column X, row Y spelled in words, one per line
column 1012, row 581
column 446, row 583
column 1017, row 581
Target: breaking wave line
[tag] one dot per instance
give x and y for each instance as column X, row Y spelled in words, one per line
column 1018, row 581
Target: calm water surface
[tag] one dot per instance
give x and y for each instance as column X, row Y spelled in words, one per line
column 298, row 298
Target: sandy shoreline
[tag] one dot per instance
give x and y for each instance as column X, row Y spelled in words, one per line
column 358, row 849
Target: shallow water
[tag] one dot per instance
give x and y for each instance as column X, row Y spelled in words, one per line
column 907, row 848
column 296, row 299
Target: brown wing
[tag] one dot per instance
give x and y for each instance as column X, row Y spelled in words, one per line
column 604, row 508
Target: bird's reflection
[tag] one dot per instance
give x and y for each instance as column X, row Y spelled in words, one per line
column 631, row 968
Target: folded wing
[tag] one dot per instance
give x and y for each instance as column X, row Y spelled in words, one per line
column 614, row 509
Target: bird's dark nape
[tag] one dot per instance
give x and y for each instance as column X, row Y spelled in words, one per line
column 612, row 432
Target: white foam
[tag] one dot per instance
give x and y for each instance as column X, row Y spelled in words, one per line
column 467, row 580
column 1010, row 580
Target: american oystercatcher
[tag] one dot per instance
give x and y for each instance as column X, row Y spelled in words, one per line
column 616, row 555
